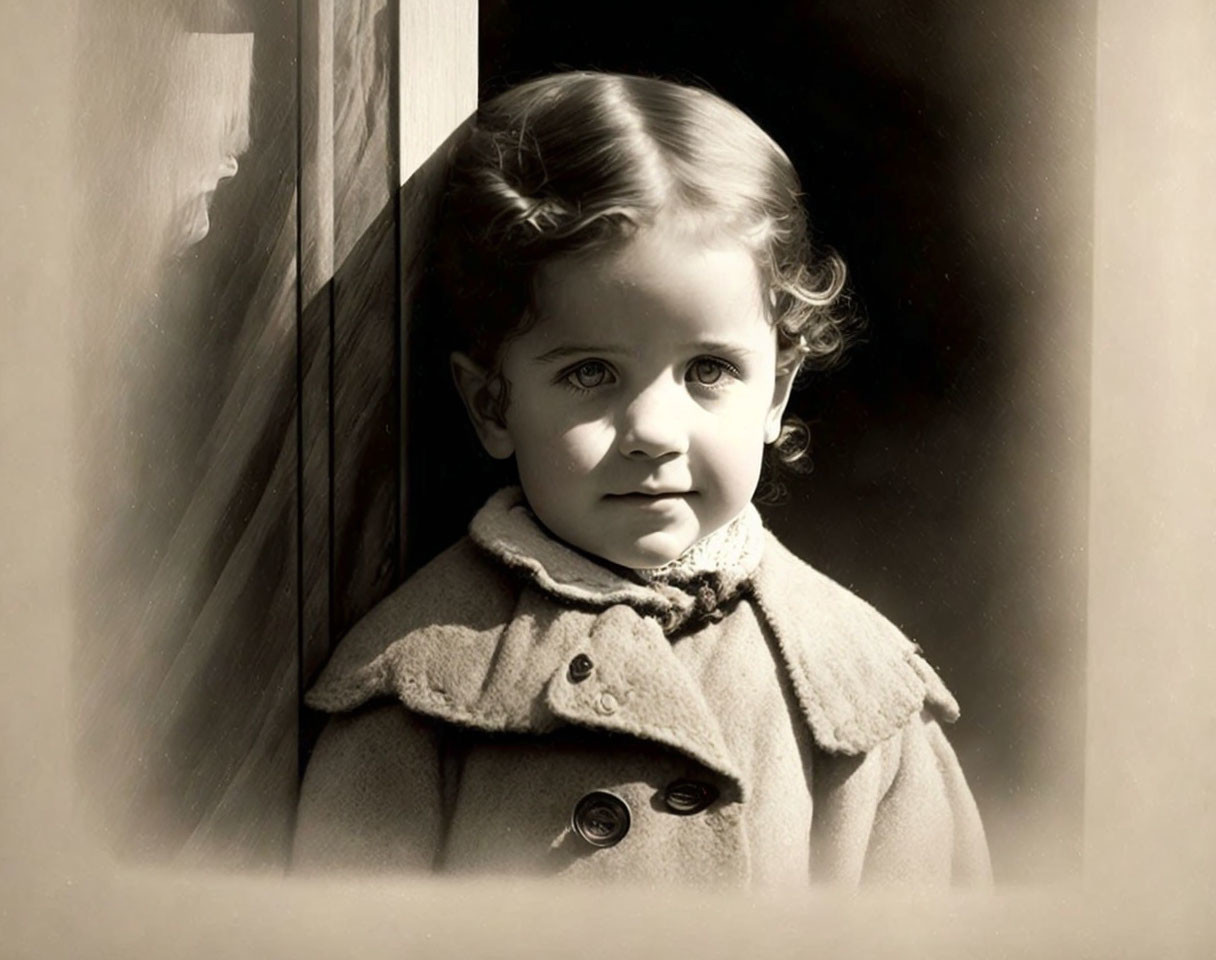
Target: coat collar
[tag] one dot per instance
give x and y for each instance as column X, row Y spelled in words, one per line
column 467, row 642
column 679, row 594
column 856, row 676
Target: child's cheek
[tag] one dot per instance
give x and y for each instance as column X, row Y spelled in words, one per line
column 584, row 446
column 734, row 448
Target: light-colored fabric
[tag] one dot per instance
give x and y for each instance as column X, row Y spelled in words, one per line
column 435, row 642
column 674, row 594
column 732, row 663
column 810, row 714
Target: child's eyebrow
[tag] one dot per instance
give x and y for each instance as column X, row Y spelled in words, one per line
column 578, row 350
column 721, row 346
column 600, row 349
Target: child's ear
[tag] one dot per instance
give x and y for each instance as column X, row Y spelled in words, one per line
column 781, row 396
column 481, row 401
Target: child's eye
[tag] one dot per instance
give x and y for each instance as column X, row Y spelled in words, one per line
column 708, row 371
column 588, row 375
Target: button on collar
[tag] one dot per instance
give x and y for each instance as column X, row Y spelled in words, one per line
column 580, row 668
column 600, row 818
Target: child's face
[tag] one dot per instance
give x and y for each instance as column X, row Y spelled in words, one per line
column 640, row 402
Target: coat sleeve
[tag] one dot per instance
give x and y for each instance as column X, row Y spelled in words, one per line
column 926, row 825
column 901, row 814
column 371, row 799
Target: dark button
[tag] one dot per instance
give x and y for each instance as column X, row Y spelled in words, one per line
column 602, row 819
column 686, row 797
column 580, row 668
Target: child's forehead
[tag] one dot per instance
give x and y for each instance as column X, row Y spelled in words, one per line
column 679, row 256
column 656, row 286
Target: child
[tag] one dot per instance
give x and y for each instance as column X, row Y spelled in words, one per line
column 620, row 673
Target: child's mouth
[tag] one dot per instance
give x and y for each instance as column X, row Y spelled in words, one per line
column 640, row 498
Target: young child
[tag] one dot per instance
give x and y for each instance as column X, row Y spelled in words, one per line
column 620, row 673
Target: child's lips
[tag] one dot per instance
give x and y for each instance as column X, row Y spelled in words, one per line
column 644, row 498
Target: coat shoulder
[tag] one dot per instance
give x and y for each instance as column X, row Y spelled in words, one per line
column 857, row 677
column 459, row 603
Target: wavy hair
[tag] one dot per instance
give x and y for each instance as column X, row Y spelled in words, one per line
column 569, row 162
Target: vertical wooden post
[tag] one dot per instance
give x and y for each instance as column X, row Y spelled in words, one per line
column 438, row 67
column 383, row 83
column 316, row 202
column 365, row 310
column 437, row 57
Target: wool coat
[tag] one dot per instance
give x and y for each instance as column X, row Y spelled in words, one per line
column 517, row 708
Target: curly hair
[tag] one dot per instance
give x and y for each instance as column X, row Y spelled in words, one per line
column 566, row 163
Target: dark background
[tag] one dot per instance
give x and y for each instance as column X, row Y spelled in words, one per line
column 945, row 150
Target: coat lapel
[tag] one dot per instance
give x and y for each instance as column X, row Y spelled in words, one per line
column 637, row 686
column 857, row 678
column 520, row 679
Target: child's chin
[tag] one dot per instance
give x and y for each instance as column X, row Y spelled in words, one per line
column 651, row 552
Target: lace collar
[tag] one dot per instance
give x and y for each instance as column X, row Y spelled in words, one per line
column 697, row 586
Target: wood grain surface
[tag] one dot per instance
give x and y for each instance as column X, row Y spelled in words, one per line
column 366, row 432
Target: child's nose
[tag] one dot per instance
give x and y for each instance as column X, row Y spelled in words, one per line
column 652, row 424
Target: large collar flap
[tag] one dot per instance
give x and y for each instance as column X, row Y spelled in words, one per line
column 440, row 627
column 508, row 667
column 856, row 676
